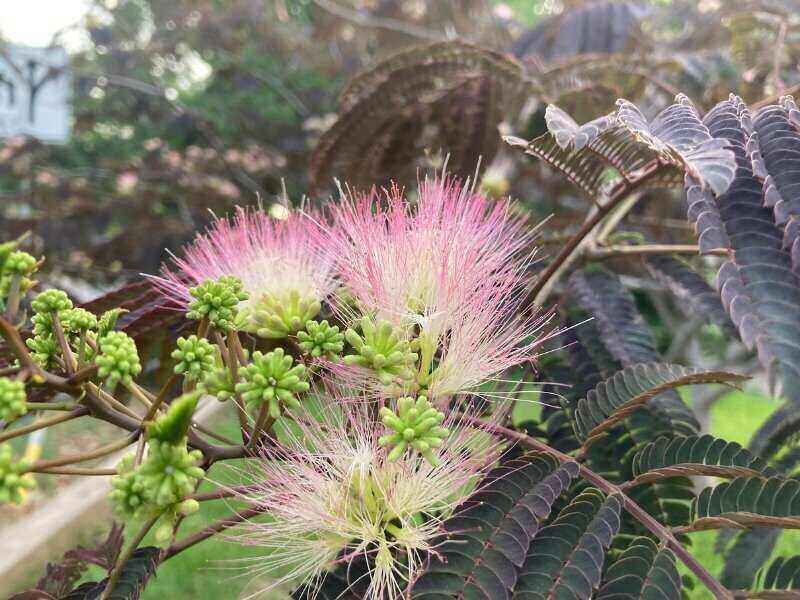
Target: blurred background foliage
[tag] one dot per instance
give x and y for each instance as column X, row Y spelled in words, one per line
column 181, row 106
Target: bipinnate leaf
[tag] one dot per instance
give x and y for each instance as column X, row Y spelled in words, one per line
column 696, row 455
column 629, row 389
column 566, row 558
column 644, row 571
column 135, row 574
column 487, row 539
column 746, row 502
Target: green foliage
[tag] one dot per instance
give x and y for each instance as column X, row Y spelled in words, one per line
column 272, row 380
column 118, row 359
column 108, row 320
column 416, row 425
column 696, row 455
column 773, row 501
column 320, row 339
column 488, row 536
column 566, row 557
column 643, row 571
column 219, row 383
column 135, row 573
column 172, row 426
column 12, row 399
column 196, row 357
column 216, row 300
column 629, row 389
column 383, row 349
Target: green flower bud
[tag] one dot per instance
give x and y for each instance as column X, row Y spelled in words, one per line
column 383, row 349
column 118, row 359
column 217, row 301
column 172, row 426
column 76, row 320
column 108, row 320
column 12, row 399
column 20, row 263
column 195, row 356
column 219, row 382
column 51, row 301
column 128, row 494
column 6, row 249
column 170, row 472
column 278, row 317
column 320, row 338
column 271, row 378
column 44, row 350
column 12, row 479
column 415, row 425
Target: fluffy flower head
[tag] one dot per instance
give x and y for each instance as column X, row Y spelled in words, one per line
column 449, row 270
column 334, row 495
column 285, row 275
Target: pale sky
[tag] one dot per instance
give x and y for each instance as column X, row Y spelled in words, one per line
column 33, row 22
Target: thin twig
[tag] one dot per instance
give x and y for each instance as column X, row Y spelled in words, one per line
column 42, row 423
column 211, row 530
column 546, row 279
column 602, row 252
column 84, row 456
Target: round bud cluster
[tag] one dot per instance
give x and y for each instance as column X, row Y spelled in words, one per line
column 170, row 472
column 195, row 356
column 12, row 399
column 216, row 300
column 12, row 478
column 383, row 349
column 272, row 379
column 128, row 491
column 44, row 306
column 278, row 317
column 118, row 359
column 320, row 338
column 20, row 263
column 76, row 320
column 51, row 301
column 415, row 425
column 219, row 382
column 44, row 350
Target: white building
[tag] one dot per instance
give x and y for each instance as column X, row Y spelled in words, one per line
column 35, row 93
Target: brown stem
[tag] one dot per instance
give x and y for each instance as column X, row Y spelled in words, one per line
column 162, row 396
column 84, row 456
column 209, row 531
column 618, row 195
column 66, row 351
column 42, row 423
column 39, row 375
column 660, row 531
column 75, row 471
column 51, row 405
column 622, row 250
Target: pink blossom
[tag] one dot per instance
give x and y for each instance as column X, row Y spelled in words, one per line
column 449, row 269
column 332, row 495
column 274, row 258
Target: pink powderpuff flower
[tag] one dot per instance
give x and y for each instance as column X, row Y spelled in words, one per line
column 450, row 270
column 333, row 495
column 280, row 262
